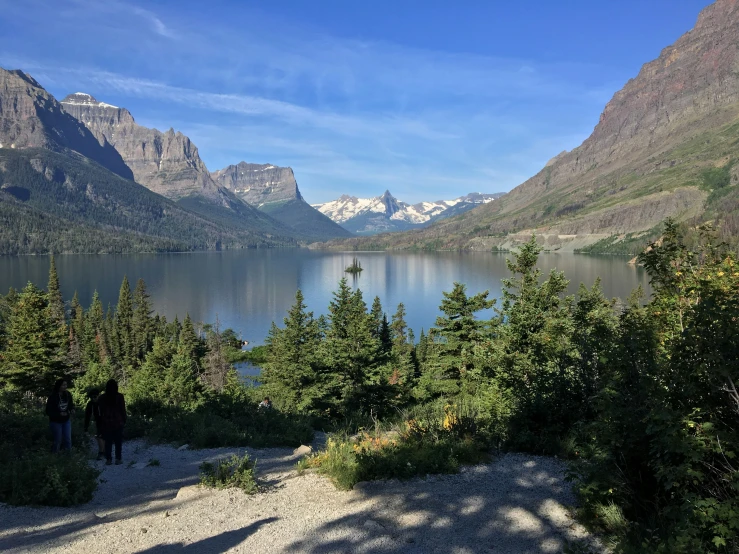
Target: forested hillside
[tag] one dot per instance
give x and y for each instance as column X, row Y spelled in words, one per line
column 50, row 202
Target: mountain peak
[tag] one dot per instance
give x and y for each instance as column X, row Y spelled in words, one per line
column 84, row 99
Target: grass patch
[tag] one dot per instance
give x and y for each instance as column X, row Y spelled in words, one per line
column 414, row 448
column 234, row 472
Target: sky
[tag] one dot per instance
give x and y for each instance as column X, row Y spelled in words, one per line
column 428, row 99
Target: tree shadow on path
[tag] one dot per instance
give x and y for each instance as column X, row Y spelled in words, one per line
column 211, row 545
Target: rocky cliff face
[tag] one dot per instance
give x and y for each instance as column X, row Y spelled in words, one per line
column 31, row 117
column 664, row 104
column 167, row 163
column 259, row 184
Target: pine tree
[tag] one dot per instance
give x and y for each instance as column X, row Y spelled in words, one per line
column 76, row 335
column 33, row 358
column 94, row 345
column 142, row 326
column 376, row 313
column 188, row 341
column 148, row 381
column 216, row 367
column 122, row 332
column 181, row 383
column 351, row 350
column 452, row 340
column 291, row 374
column 54, row 295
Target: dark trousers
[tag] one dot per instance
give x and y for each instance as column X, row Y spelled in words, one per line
column 113, row 436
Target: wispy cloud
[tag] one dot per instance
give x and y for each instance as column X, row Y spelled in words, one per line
column 348, row 115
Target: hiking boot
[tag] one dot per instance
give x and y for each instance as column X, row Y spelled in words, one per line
column 118, row 462
column 108, row 462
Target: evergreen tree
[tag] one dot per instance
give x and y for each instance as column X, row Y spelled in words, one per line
column 189, row 343
column 148, row 381
column 351, row 350
column 142, row 326
column 291, row 374
column 95, row 348
column 33, row 358
column 377, row 313
column 457, row 331
column 54, row 295
column 181, row 383
column 122, row 323
column 76, row 335
column 216, row 367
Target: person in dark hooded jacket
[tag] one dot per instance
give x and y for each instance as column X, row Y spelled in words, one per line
column 59, row 407
column 113, row 417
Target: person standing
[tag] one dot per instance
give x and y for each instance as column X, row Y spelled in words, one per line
column 59, row 407
column 92, row 412
column 113, row 416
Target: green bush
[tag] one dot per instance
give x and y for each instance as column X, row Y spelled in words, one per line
column 46, row 479
column 29, row 472
column 235, row 472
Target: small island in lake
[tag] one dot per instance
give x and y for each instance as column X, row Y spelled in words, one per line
column 355, row 268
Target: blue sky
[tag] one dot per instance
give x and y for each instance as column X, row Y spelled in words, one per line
column 428, row 99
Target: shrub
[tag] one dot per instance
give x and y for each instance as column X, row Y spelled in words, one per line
column 421, row 447
column 46, row 479
column 235, row 472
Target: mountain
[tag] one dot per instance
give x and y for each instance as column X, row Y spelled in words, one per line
column 53, row 202
column 274, row 190
column 385, row 213
column 166, row 163
column 665, row 146
column 31, row 117
column 63, row 189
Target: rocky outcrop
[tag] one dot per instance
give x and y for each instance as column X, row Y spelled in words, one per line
column 259, row 184
column 167, row 163
column 30, row 117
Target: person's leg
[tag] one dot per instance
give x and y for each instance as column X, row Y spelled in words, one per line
column 118, row 444
column 101, row 446
column 56, row 435
column 67, row 435
column 108, row 447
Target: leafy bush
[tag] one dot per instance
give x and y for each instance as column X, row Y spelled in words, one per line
column 235, row 472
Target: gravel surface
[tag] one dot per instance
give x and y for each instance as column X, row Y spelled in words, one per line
column 515, row 504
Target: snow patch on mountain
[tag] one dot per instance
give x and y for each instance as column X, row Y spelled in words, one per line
column 347, row 208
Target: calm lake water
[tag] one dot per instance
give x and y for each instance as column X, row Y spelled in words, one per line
column 249, row 289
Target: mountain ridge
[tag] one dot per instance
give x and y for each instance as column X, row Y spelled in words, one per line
column 644, row 161
column 385, row 213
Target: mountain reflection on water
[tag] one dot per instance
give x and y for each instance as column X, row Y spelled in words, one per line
column 248, row 289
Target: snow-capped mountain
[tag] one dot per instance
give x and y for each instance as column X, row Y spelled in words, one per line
column 386, row 213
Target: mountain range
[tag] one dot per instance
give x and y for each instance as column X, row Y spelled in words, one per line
column 665, row 146
column 72, row 174
column 385, row 213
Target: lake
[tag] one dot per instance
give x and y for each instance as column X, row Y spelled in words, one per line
column 248, row 289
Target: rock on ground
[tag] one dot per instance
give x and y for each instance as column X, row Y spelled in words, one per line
column 516, row 504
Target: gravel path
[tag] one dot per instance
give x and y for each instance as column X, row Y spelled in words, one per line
column 515, row 504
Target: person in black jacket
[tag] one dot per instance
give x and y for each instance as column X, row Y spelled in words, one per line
column 59, row 407
column 92, row 412
column 113, row 415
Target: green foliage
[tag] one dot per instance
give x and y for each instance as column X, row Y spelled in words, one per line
column 29, row 473
column 235, row 472
column 714, row 178
column 35, row 353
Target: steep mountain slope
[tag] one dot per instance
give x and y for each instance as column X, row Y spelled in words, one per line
column 31, row 117
column 52, row 202
column 166, row 163
column 385, row 213
column 650, row 156
column 274, row 190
